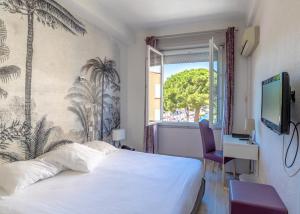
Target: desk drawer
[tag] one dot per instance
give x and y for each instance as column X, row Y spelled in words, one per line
column 242, row 151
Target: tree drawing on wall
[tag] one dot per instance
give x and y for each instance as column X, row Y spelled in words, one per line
column 6, row 72
column 86, row 99
column 38, row 145
column 103, row 73
column 113, row 120
column 83, row 115
column 9, row 134
column 49, row 13
column 92, row 99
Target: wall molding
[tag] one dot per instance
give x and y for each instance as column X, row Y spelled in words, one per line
column 97, row 16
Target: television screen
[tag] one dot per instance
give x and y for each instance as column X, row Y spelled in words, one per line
column 275, row 109
column 272, row 101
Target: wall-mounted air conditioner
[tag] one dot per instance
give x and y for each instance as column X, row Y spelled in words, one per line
column 250, row 41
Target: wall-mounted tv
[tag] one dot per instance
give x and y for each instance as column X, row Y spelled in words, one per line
column 276, row 99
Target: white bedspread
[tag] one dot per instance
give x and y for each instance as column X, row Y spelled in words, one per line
column 125, row 183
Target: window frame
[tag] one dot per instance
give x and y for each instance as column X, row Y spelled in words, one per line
column 221, row 81
column 148, row 63
column 186, row 124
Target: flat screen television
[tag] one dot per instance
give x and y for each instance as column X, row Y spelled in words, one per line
column 276, row 100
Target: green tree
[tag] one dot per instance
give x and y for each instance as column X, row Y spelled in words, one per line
column 187, row 90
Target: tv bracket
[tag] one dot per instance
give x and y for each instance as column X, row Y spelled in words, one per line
column 293, row 96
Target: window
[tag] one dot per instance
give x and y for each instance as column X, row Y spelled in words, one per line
column 186, row 92
column 153, row 86
column 157, row 90
column 185, row 85
column 216, row 84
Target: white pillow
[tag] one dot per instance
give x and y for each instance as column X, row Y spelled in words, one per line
column 74, row 156
column 20, row 174
column 101, row 146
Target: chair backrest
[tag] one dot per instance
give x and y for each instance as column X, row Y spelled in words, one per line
column 207, row 136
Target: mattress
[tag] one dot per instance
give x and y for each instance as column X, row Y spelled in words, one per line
column 125, row 182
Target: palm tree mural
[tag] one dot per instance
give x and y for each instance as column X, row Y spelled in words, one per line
column 103, row 74
column 9, row 134
column 86, row 97
column 87, row 94
column 6, row 72
column 113, row 121
column 51, row 14
column 83, row 115
column 40, row 140
column 38, row 145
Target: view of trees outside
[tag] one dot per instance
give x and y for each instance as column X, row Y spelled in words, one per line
column 186, row 92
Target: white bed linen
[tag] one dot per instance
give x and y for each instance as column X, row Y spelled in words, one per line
column 125, row 183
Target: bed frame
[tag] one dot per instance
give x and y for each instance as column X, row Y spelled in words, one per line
column 199, row 197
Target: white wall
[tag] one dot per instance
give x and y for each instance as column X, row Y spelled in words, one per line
column 123, row 69
column 279, row 50
column 182, row 141
column 136, row 93
column 136, row 89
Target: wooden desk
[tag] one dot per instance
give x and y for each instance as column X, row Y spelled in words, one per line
column 241, row 149
column 236, row 148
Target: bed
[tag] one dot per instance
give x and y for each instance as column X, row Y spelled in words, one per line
column 126, row 182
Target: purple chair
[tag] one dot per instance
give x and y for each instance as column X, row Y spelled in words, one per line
column 209, row 147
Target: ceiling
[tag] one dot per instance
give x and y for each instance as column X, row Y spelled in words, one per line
column 154, row 13
column 123, row 18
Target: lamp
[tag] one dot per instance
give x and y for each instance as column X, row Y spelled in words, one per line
column 118, row 135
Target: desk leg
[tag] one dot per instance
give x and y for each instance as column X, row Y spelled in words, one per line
column 256, row 168
column 234, row 168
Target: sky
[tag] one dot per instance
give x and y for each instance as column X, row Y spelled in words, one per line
column 170, row 69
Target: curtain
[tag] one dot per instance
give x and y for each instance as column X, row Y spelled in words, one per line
column 152, row 41
column 151, row 138
column 150, row 130
column 229, row 82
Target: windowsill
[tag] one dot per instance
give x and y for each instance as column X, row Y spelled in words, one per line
column 182, row 125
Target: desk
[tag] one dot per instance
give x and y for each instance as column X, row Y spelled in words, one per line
column 236, row 148
column 241, row 149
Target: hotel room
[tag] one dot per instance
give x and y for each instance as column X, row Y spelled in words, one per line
column 149, row 107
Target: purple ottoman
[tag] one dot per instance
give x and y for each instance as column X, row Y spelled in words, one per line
column 252, row 198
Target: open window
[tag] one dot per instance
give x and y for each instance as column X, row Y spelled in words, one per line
column 216, row 84
column 154, row 85
column 185, row 85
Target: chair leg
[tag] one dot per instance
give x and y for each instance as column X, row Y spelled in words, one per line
column 234, row 169
column 213, row 167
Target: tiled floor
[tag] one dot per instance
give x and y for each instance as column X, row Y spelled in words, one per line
column 215, row 200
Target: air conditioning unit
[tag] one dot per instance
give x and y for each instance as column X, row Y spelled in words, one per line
column 250, row 41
